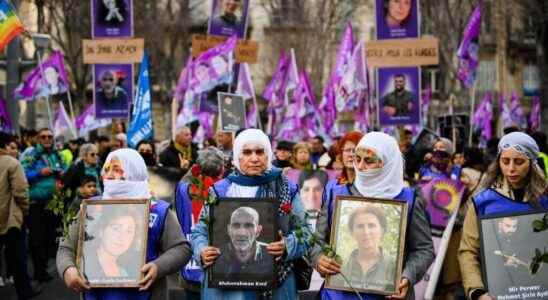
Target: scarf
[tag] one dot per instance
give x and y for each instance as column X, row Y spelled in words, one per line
column 386, row 182
column 185, row 151
column 135, row 182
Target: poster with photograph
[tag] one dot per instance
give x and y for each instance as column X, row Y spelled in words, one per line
column 241, row 229
column 374, row 228
column 112, row 90
column 509, row 245
column 112, row 242
column 231, row 111
column 228, row 18
column 442, row 197
column 397, row 19
column 398, row 91
column 111, row 18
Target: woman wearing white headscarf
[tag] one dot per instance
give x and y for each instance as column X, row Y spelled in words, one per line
column 255, row 177
column 125, row 177
column 514, row 183
column 378, row 164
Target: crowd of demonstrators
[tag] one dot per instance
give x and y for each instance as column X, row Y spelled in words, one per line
column 308, row 175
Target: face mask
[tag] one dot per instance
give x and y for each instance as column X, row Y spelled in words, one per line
column 440, row 160
column 368, row 175
column 149, row 158
column 125, row 189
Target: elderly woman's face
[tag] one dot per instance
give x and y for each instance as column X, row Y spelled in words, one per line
column 253, row 160
column 367, row 159
column 114, row 170
column 514, row 166
column 92, row 156
column 367, row 231
column 118, row 235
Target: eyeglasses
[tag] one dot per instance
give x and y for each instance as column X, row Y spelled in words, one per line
column 44, row 137
column 107, row 79
column 348, row 151
column 92, row 154
column 249, row 152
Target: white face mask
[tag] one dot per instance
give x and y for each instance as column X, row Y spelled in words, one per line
column 125, row 189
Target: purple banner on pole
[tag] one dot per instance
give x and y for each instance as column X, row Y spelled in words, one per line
column 442, row 197
column 5, row 120
column 398, row 91
column 112, row 90
column 228, row 18
column 111, row 18
column 534, row 117
column 49, row 78
column 397, row 19
column 468, row 49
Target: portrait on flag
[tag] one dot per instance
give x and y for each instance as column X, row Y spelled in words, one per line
column 509, row 245
column 113, row 90
column 372, row 227
column 397, row 19
column 242, row 229
column 112, row 242
column 398, row 91
column 228, row 17
column 112, row 18
column 231, row 111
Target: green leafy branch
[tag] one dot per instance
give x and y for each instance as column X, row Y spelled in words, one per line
column 57, row 206
column 541, row 256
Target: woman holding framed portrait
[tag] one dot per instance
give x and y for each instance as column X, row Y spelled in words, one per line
column 514, row 183
column 378, row 165
column 254, row 177
column 125, row 178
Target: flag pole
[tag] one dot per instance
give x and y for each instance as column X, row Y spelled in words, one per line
column 50, row 120
column 472, row 108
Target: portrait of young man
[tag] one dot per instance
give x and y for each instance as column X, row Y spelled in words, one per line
column 398, row 91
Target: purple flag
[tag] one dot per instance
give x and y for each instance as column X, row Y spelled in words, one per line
column 5, row 120
column 344, row 54
column 482, row 118
column 328, row 109
column 272, row 92
column 49, row 78
column 468, row 49
column 63, row 125
column 86, row 122
column 184, row 80
column 534, row 118
column 246, row 89
column 213, row 67
column 506, row 115
column 205, row 130
column 354, row 82
column 426, row 97
column 516, row 111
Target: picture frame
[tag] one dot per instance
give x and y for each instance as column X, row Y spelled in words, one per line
column 508, row 246
column 113, row 230
column 231, row 111
column 386, row 221
column 244, row 262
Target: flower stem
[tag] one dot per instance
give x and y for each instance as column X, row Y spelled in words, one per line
column 350, row 285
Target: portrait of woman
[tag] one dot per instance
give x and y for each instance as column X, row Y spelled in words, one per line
column 397, row 12
column 113, row 244
column 369, row 266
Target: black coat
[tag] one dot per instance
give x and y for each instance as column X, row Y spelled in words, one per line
column 169, row 158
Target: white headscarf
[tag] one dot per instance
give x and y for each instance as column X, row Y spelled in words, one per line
column 135, row 182
column 251, row 136
column 386, row 182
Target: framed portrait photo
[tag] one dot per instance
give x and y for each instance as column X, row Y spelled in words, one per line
column 509, row 246
column 398, row 95
column 112, row 242
column 112, row 90
column 372, row 228
column 228, row 17
column 231, row 111
column 242, row 228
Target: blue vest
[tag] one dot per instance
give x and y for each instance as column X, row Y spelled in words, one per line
column 406, row 195
column 158, row 213
column 490, row 203
column 426, row 171
column 192, row 271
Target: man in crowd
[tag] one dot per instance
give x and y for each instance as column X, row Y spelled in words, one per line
column 14, row 206
column 103, row 144
column 317, row 149
column 283, row 154
column 398, row 103
column 244, row 254
column 224, row 142
column 43, row 168
column 409, row 154
column 181, row 152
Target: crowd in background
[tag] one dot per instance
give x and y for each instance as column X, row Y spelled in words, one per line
column 35, row 170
